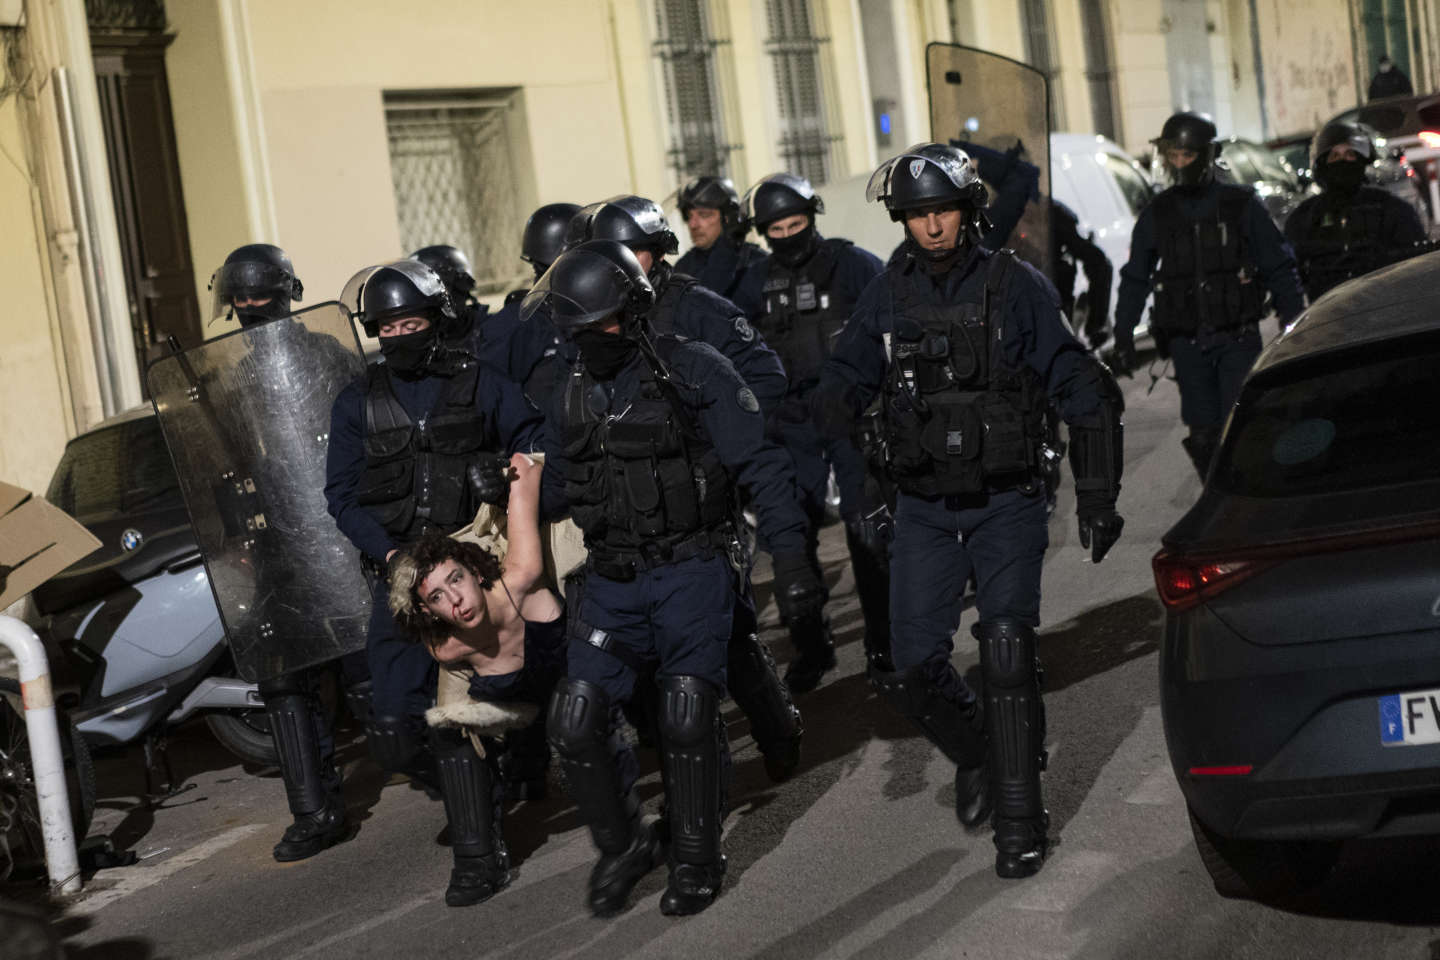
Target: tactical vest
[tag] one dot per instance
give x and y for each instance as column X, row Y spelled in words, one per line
column 801, row 318
column 1204, row 281
column 958, row 418
column 415, row 473
column 671, row 286
column 1340, row 242
column 641, row 481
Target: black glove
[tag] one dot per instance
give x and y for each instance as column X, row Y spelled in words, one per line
column 799, row 591
column 1100, row 527
column 875, row 530
column 1123, row 361
column 490, row 479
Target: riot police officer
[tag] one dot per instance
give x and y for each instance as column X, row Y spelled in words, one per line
column 808, row 286
column 685, row 308
column 963, row 345
column 416, row 446
column 1210, row 251
column 719, row 255
column 653, row 433
column 257, row 284
column 1352, row 227
column 453, row 268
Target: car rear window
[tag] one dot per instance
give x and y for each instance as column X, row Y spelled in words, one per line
column 1367, row 417
column 117, row 469
column 1387, row 121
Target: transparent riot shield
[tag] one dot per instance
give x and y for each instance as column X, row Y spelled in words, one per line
column 978, row 97
column 247, row 419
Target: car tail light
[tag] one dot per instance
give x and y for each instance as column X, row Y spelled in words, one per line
column 1183, row 583
column 1430, row 138
column 1236, row 770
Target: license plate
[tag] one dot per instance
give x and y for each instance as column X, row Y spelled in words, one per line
column 1408, row 719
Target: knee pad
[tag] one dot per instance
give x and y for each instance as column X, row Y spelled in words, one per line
column 688, row 708
column 1007, row 652
column 395, row 742
column 953, row 727
column 578, row 719
column 297, row 745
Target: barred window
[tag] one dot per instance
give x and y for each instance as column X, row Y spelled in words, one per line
column 453, row 163
column 794, row 45
column 685, row 42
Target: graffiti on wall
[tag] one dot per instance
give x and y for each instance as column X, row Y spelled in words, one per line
column 1309, row 62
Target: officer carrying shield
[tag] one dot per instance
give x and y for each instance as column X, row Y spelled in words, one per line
column 415, row 446
column 808, row 287
column 257, row 284
column 719, row 256
column 1211, row 251
column 963, row 346
column 1353, row 226
column 653, row 432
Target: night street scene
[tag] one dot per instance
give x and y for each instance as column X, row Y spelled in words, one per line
column 767, row 479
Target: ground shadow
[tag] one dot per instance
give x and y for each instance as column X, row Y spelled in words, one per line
column 1100, row 639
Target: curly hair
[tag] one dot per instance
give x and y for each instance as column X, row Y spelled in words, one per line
column 408, row 570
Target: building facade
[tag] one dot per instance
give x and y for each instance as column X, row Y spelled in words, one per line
column 142, row 140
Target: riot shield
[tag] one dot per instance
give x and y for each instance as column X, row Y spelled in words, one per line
column 247, row 419
column 978, row 97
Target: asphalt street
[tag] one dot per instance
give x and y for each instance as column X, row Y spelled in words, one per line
column 858, row 857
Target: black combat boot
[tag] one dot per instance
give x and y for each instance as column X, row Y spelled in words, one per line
column 872, row 586
column 692, row 743
column 814, row 653
column 312, row 784
column 474, row 808
column 583, row 733
column 1015, row 721
column 931, row 695
column 774, row 719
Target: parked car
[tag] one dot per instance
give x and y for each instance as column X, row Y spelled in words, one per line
column 1411, row 125
column 1300, row 667
column 1253, row 165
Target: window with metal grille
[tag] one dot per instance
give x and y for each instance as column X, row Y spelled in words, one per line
column 1099, row 69
column 685, row 42
column 794, row 45
column 454, row 167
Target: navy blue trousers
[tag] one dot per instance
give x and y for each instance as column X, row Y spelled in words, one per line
column 1000, row 537
column 402, row 674
column 1209, row 371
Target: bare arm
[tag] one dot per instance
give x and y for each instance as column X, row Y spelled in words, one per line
column 524, row 560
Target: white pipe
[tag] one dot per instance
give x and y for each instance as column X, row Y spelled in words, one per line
column 46, row 761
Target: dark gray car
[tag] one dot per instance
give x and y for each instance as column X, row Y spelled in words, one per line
column 1300, row 670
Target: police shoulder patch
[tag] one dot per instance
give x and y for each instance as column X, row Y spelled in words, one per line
column 745, row 397
column 743, row 330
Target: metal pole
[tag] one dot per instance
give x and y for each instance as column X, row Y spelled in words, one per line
column 47, row 762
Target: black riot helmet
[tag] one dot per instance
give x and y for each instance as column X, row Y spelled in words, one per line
column 929, row 175
column 638, row 223
column 1190, row 131
column 1332, row 175
column 454, row 269
column 590, row 283
column 544, row 236
column 777, row 196
column 254, row 272
column 712, row 193
column 402, row 288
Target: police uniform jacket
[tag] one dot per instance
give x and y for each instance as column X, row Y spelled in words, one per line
column 1272, row 259
column 509, row 425
column 1338, row 237
column 722, row 267
column 1033, row 335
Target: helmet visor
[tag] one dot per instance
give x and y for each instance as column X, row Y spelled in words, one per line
column 254, row 284
column 950, row 161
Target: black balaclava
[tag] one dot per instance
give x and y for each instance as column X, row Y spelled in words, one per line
column 794, row 250
column 263, row 313
column 408, row 353
column 605, row 354
column 1345, row 176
